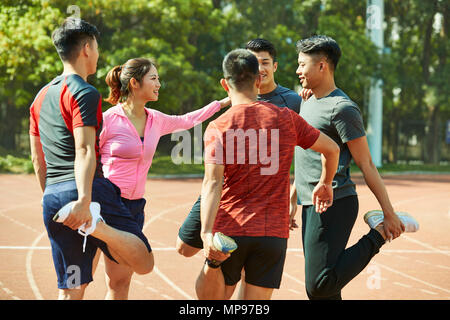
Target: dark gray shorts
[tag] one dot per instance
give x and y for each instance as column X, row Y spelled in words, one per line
column 189, row 231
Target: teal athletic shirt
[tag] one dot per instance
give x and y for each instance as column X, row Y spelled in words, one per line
column 282, row 97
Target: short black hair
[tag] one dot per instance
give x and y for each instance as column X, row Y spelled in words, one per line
column 259, row 44
column 71, row 36
column 240, row 69
column 321, row 45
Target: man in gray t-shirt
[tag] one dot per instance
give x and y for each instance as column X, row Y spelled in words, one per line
column 340, row 118
column 329, row 264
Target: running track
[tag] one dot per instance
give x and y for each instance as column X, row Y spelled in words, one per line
column 414, row 266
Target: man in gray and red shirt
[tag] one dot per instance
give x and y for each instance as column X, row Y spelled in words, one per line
column 66, row 103
column 65, row 122
column 250, row 147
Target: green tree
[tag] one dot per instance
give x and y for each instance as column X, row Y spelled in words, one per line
column 27, row 57
column 189, row 38
column 415, row 73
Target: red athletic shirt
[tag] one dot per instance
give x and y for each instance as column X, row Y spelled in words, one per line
column 255, row 142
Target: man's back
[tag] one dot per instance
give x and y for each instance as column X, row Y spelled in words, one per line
column 62, row 105
column 256, row 143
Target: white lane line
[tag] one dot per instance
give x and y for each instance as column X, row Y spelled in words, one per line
column 159, row 243
column 413, row 251
column 295, row 291
column 178, row 223
column 9, row 292
column 402, row 284
column 152, row 289
column 443, row 267
column 155, row 269
column 290, row 250
column 173, row 285
column 25, row 204
column 427, row 291
column 425, row 245
column 389, row 251
column 285, row 274
column 23, row 248
column 420, row 198
column 138, row 282
column 18, row 222
column 29, row 270
column 413, row 278
column 162, row 213
column 49, row 248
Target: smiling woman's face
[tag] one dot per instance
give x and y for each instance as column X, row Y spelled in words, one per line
column 150, row 85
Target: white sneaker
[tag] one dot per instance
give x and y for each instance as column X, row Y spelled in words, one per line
column 94, row 208
column 374, row 217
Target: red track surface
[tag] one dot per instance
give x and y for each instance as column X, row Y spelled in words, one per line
column 414, row 266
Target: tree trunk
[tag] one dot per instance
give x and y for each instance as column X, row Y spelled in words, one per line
column 10, row 125
column 429, row 145
column 216, row 3
column 433, row 137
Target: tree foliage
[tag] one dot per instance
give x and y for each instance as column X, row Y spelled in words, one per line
column 189, row 38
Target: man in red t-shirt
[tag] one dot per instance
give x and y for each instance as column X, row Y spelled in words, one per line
column 250, row 147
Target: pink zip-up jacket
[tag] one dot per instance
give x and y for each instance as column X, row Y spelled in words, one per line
column 126, row 160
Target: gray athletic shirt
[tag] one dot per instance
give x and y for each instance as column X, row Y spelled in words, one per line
column 282, row 97
column 339, row 117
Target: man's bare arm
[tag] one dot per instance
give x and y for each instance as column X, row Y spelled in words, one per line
column 211, row 194
column 85, row 164
column 359, row 149
column 323, row 192
column 38, row 159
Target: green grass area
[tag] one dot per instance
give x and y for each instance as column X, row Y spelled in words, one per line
column 163, row 165
column 13, row 164
column 416, row 167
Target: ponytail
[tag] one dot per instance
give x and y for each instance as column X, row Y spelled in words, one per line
column 113, row 81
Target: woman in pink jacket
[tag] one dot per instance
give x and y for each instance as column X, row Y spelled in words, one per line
column 128, row 142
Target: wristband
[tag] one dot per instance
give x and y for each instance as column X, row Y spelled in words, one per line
column 213, row 263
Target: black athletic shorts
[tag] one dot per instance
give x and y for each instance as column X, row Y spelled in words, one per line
column 262, row 259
